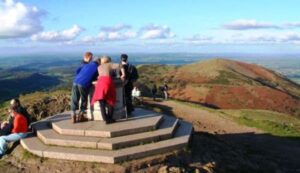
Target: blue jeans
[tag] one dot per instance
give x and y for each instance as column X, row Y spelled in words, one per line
column 79, row 92
column 4, row 140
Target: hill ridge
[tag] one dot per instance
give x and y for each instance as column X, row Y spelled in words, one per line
column 227, row 84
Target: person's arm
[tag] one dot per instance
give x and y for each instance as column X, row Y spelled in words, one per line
column 116, row 66
column 122, row 74
column 96, row 74
column 78, row 70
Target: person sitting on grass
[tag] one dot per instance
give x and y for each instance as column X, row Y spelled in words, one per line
column 19, row 130
column 82, row 83
column 105, row 89
column 136, row 94
column 6, row 126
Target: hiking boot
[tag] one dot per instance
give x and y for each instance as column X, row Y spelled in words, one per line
column 81, row 117
column 110, row 121
column 73, row 118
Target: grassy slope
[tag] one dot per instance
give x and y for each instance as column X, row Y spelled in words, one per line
column 30, row 99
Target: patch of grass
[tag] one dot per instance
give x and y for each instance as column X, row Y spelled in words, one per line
column 275, row 128
column 277, row 124
column 27, row 155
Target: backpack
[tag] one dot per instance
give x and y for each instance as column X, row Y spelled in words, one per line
column 132, row 73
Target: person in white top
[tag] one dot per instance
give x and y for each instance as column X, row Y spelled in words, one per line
column 136, row 94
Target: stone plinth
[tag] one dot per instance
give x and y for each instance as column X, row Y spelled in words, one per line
column 94, row 112
column 144, row 133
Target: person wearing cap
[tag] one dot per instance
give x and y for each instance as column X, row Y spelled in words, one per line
column 105, row 89
column 19, row 130
column 131, row 77
column 82, row 83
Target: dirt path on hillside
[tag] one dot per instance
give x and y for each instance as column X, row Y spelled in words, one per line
column 226, row 136
column 204, row 120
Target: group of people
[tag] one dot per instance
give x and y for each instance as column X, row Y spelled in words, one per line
column 103, row 71
column 164, row 89
column 15, row 127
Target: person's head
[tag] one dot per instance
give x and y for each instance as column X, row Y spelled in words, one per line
column 87, row 57
column 15, row 105
column 98, row 61
column 124, row 57
column 105, row 59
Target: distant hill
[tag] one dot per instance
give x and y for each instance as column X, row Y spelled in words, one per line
column 226, row 84
column 26, row 83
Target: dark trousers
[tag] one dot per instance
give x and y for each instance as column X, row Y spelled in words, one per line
column 79, row 92
column 128, row 97
column 6, row 130
column 107, row 115
column 153, row 95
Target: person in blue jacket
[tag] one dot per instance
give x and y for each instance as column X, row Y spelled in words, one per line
column 82, row 83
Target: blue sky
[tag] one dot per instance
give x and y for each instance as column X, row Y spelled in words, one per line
column 209, row 26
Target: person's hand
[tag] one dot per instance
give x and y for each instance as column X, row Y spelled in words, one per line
column 3, row 124
column 123, row 78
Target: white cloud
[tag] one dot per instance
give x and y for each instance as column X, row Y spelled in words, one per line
column 198, row 39
column 123, row 32
column 88, row 39
column 248, row 25
column 293, row 24
column 119, row 32
column 115, row 28
column 52, row 36
column 116, row 35
column 290, row 37
column 18, row 19
column 273, row 38
column 156, row 32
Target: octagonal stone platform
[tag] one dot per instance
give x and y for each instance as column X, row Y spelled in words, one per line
column 145, row 133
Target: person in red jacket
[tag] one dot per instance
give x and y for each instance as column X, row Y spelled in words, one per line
column 19, row 131
column 105, row 90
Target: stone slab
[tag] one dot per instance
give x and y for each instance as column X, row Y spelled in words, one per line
column 164, row 131
column 180, row 140
column 100, row 129
column 79, row 154
column 50, row 137
column 33, row 145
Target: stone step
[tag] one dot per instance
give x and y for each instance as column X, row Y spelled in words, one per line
column 100, row 129
column 179, row 141
column 164, row 131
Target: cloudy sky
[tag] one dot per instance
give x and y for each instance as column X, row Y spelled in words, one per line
column 252, row 26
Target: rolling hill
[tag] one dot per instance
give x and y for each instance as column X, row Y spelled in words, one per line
column 22, row 83
column 226, row 84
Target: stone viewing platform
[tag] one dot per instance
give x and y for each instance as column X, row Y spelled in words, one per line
column 143, row 134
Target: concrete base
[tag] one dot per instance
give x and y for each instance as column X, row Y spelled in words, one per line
column 144, row 134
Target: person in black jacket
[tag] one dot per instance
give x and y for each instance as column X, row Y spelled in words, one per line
column 131, row 77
